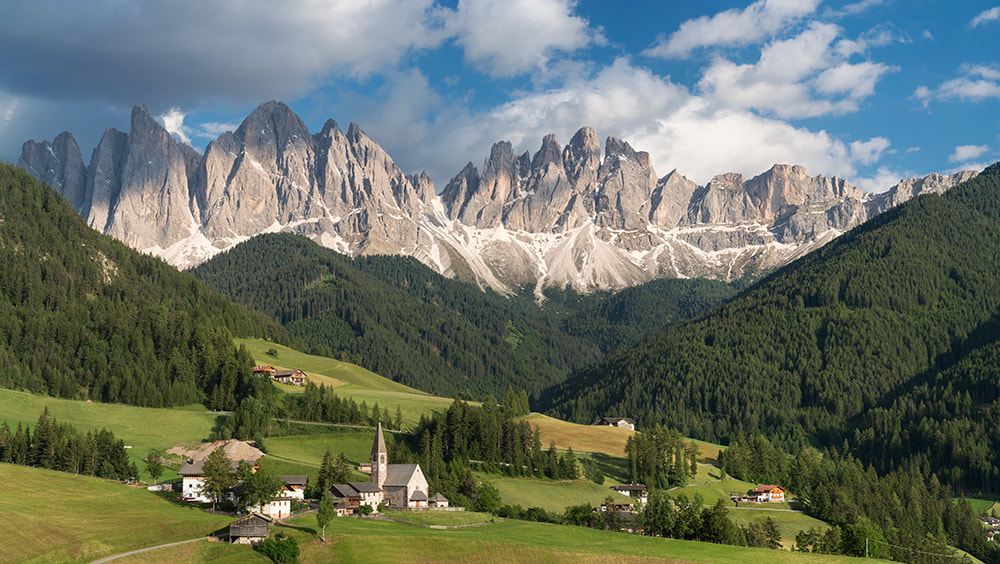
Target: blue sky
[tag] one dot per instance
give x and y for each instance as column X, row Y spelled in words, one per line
column 869, row 90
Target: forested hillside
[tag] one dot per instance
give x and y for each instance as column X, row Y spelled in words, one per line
column 83, row 316
column 447, row 338
column 877, row 339
column 395, row 316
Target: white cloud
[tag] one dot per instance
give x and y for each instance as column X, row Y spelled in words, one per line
column 974, row 83
column 993, row 14
column 213, row 129
column 807, row 75
column 733, row 27
column 882, row 180
column 508, row 37
column 678, row 128
column 856, row 8
column 173, row 122
column 868, row 152
column 964, row 153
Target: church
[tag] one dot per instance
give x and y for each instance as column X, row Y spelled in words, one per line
column 398, row 486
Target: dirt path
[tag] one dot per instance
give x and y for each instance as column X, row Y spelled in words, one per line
column 124, row 554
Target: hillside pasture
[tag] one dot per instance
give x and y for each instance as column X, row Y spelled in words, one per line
column 349, row 381
column 142, row 428
column 351, row 540
column 582, row 438
column 60, row 517
column 550, row 495
column 321, row 369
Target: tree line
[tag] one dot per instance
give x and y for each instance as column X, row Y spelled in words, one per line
column 60, row 446
column 904, row 513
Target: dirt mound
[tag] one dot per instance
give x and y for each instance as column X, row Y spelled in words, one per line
column 235, row 450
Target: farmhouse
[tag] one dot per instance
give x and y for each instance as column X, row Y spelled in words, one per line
column 767, row 494
column 295, row 486
column 192, row 472
column 636, row 491
column 294, row 377
column 396, row 485
column 620, row 422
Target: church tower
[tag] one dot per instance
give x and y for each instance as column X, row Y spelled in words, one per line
column 380, row 457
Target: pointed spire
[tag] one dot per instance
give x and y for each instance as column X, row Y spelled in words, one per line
column 380, row 457
column 379, row 445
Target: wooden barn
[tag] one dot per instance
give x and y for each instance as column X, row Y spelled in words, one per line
column 249, row 530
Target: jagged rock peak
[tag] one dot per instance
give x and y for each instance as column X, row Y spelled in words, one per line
column 582, row 154
column 550, row 152
column 59, row 164
column 615, row 147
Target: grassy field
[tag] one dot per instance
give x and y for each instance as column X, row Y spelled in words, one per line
column 716, row 490
column 548, row 494
column 599, row 438
column 142, row 428
column 445, row 518
column 583, row 438
column 309, row 449
column 198, row 552
column 350, row 381
column 351, row 540
column 59, row 517
column 337, row 373
column 789, row 522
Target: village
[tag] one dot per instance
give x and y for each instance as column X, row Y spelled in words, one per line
column 396, row 487
column 392, row 486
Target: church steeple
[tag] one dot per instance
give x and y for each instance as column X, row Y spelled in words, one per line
column 379, row 458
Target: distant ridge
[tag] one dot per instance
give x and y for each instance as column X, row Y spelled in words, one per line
column 565, row 216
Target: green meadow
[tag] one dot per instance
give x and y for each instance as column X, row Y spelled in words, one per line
column 142, row 428
column 441, row 518
column 550, row 495
column 350, row 381
column 60, row 517
column 352, row 540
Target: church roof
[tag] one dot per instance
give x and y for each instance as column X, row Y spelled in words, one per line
column 400, row 474
column 378, row 447
column 365, row 487
column 418, row 496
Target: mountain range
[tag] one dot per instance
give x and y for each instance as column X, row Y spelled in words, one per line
column 564, row 216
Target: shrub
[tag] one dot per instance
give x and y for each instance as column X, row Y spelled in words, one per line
column 281, row 549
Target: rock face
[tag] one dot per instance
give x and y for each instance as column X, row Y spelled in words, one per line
column 561, row 216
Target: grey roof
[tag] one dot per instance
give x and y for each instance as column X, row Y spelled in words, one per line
column 418, row 496
column 296, row 480
column 251, row 518
column 279, row 373
column 365, row 487
column 197, row 467
column 378, row 446
column 343, row 490
column 613, row 420
column 399, row 474
column 630, row 487
column 438, row 497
